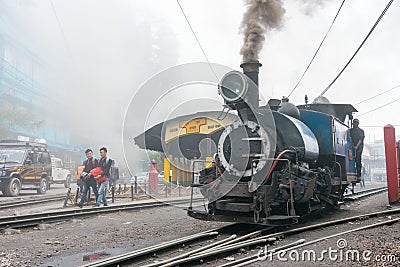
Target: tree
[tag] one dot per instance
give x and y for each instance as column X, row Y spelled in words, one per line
column 17, row 119
column 158, row 157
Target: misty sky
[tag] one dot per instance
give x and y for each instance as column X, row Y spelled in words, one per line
column 287, row 51
column 98, row 53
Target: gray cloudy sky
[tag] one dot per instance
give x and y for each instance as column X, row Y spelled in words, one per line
column 99, row 52
column 287, row 51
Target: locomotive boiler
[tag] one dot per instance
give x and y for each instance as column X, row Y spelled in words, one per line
column 277, row 162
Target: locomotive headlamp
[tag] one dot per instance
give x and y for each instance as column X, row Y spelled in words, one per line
column 233, row 86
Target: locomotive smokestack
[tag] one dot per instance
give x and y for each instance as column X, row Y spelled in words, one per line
column 251, row 70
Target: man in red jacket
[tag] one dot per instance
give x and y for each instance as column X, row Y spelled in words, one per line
column 89, row 164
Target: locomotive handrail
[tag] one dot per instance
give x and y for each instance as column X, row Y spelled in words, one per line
column 193, row 185
column 340, row 169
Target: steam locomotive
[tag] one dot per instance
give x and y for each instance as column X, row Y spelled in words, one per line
column 274, row 163
column 277, row 162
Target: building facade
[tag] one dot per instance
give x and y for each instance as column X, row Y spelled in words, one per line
column 24, row 102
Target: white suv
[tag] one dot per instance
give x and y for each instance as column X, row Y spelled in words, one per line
column 60, row 175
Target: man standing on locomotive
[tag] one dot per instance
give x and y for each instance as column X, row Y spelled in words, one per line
column 357, row 137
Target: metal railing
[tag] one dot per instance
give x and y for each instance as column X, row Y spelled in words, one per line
column 196, row 171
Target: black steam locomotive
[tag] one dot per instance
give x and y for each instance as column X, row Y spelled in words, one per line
column 278, row 162
column 274, row 163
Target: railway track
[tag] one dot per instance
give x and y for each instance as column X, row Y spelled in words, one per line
column 16, row 204
column 302, row 242
column 364, row 193
column 20, row 203
column 206, row 240
column 29, row 220
column 223, row 245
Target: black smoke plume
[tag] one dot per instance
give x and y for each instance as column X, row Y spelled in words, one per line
column 260, row 17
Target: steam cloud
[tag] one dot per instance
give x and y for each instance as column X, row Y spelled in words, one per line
column 260, row 16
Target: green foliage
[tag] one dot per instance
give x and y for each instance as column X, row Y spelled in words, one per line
column 158, row 157
column 18, row 119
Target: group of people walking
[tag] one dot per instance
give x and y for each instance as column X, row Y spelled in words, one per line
column 96, row 174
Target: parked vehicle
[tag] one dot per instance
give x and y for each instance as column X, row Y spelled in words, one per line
column 24, row 165
column 142, row 178
column 161, row 177
column 60, row 174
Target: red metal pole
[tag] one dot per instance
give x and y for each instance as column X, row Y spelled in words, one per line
column 391, row 163
column 153, row 177
column 398, row 164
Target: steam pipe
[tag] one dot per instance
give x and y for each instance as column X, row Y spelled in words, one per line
column 276, row 162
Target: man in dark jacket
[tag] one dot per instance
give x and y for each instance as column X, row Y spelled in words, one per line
column 357, row 137
column 89, row 164
column 114, row 174
column 105, row 165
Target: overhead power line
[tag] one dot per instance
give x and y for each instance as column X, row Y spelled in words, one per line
column 372, row 97
column 316, row 52
column 61, row 29
column 387, row 104
column 378, row 126
column 197, row 39
column 358, row 49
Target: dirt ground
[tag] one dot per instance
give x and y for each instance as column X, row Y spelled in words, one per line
column 71, row 243
column 372, row 247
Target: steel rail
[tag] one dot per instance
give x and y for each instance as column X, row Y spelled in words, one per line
column 27, row 220
column 211, row 247
column 256, row 257
column 264, row 239
column 191, row 252
column 244, row 237
column 330, row 223
column 216, row 252
column 247, row 260
column 227, row 245
column 365, row 191
column 149, row 251
column 14, row 204
column 364, row 194
column 268, row 238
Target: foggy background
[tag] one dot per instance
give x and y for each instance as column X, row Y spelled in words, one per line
column 95, row 54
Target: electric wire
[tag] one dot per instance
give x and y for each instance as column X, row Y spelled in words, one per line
column 378, row 126
column 197, row 39
column 358, row 49
column 64, row 38
column 61, row 29
column 387, row 104
column 316, row 52
column 372, row 97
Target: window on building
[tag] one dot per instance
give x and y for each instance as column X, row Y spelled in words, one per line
column 9, row 56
